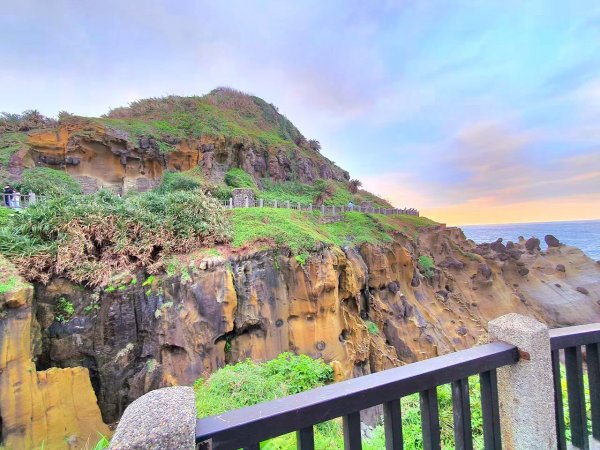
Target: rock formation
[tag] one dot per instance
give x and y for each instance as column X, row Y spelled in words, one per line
column 172, row 330
column 55, row 408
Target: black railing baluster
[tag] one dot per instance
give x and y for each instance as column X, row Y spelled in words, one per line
column 558, row 402
column 305, row 439
column 461, row 410
column 430, row 420
column 576, row 394
column 351, row 425
column 490, row 410
column 392, row 422
column 593, row 365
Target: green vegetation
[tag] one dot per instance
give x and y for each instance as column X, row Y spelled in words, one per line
column 302, row 258
column 247, row 383
column 371, row 327
column 237, row 178
column 63, row 310
column 301, row 231
column 293, row 191
column 427, row 266
column 5, row 215
column 223, row 112
column 102, row 444
column 10, row 143
column 180, row 181
column 88, row 238
column 48, row 182
column 9, row 285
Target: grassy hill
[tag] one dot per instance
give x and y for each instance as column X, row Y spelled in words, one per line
column 90, row 238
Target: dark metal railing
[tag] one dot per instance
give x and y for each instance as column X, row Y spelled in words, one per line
column 571, row 340
column 247, row 427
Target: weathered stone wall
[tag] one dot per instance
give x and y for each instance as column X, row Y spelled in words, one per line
column 243, row 198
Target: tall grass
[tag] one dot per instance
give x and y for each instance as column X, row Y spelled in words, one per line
column 88, row 238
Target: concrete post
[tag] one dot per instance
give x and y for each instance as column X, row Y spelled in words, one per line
column 299, row 207
column 333, row 210
column 275, row 203
column 323, row 209
column 230, row 203
column 310, row 207
column 261, row 203
column 525, row 389
column 164, row 418
column 287, row 204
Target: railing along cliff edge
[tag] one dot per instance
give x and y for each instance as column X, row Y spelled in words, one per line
column 521, row 399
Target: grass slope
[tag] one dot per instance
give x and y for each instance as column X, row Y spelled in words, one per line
column 301, row 231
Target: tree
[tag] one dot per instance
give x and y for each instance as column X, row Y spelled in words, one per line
column 314, row 145
column 353, row 185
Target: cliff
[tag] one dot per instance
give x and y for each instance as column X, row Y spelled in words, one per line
column 54, row 408
column 362, row 308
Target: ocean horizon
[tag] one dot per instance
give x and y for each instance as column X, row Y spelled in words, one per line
column 584, row 234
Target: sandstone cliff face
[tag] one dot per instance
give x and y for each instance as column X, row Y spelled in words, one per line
column 98, row 155
column 55, row 408
column 171, row 330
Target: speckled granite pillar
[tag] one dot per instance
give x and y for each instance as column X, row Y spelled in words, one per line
column 525, row 389
column 161, row 419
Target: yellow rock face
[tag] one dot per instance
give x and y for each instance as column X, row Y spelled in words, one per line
column 55, row 408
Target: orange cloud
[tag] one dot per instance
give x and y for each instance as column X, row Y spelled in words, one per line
column 476, row 212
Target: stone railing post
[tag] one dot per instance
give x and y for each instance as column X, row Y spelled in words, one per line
column 261, row 203
column 333, row 210
column 287, row 204
column 323, row 209
column 525, row 389
column 164, row 418
column 275, row 204
column 310, row 207
column 230, row 203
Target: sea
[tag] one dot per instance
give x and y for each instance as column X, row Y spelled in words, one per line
column 584, row 234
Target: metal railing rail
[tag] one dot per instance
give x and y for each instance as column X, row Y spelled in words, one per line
column 324, row 209
column 571, row 340
column 247, row 427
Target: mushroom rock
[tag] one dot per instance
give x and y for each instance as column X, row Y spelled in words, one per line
column 451, row 263
column 583, row 290
column 561, row 268
column 551, row 241
column 532, row 244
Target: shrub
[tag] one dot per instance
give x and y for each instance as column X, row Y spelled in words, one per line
column 88, row 238
column 314, row 145
column 247, row 383
column 180, row 181
column 353, row 185
column 10, row 143
column 371, row 327
column 48, row 182
column 237, row 178
column 63, row 310
column 427, row 266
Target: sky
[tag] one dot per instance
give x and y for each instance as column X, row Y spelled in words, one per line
column 471, row 111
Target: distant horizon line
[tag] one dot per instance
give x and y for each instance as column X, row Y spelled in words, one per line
column 524, row 223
